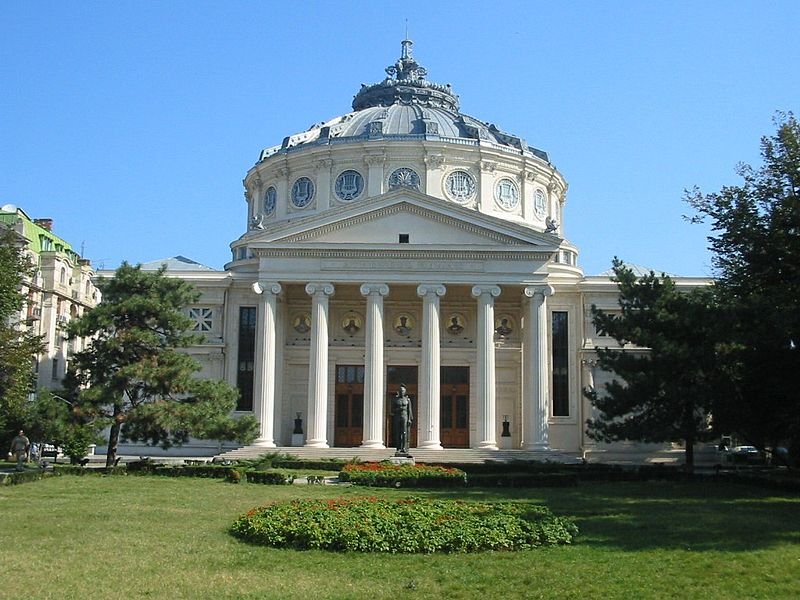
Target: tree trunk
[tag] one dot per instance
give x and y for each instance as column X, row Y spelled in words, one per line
column 689, row 454
column 113, row 438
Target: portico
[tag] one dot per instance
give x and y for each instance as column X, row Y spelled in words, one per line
column 362, row 331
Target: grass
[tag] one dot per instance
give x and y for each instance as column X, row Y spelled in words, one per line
column 152, row 537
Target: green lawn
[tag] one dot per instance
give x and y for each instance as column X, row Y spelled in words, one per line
column 152, row 537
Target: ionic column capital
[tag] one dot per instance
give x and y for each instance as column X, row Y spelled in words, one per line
column 544, row 291
column 270, row 287
column 370, row 289
column 427, row 288
column 480, row 290
column 316, row 288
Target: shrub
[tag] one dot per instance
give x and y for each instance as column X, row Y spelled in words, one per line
column 268, row 477
column 23, row 476
column 391, row 475
column 309, row 465
column 411, row 525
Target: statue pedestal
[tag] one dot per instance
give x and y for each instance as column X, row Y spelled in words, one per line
column 297, row 440
column 402, row 459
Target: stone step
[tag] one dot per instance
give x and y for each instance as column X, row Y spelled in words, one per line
column 448, row 455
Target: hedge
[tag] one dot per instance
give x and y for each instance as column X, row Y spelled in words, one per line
column 522, row 480
column 26, row 476
column 391, row 475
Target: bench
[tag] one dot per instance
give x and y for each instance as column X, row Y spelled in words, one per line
column 49, row 451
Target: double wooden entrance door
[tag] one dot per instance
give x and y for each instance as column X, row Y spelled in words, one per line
column 349, row 409
column 349, row 404
column 454, row 408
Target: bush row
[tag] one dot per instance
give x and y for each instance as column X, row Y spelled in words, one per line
column 26, row 476
column 391, row 475
column 524, row 480
column 410, row 525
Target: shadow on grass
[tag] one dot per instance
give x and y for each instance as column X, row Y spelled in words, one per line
column 696, row 516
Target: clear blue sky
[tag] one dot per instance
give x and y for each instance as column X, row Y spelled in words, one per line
column 132, row 123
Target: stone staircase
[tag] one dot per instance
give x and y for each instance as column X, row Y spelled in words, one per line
column 449, row 455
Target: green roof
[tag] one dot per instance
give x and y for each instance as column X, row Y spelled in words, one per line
column 36, row 234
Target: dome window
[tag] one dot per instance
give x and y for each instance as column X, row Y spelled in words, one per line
column 349, row 185
column 506, row 194
column 270, row 199
column 302, row 192
column 404, row 177
column 539, row 204
column 460, row 186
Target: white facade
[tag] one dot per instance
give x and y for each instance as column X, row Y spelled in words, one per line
column 405, row 242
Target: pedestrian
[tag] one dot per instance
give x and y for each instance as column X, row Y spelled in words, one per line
column 19, row 448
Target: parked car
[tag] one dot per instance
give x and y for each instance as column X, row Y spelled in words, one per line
column 746, row 455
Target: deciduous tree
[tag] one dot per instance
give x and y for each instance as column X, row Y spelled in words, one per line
column 755, row 242
column 18, row 347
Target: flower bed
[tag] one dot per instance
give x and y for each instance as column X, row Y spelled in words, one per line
column 411, row 525
column 390, row 475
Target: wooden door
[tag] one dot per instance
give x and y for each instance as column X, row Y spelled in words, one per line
column 395, row 375
column 454, row 408
column 349, row 406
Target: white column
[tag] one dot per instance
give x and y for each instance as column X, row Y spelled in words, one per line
column 374, row 392
column 318, row 365
column 375, row 163
column 486, row 370
column 430, row 366
column 264, row 376
column 536, row 405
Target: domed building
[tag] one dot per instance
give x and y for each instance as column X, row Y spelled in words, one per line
column 404, row 243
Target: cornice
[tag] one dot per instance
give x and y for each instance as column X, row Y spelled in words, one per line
column 395, row 209
column 422, row 254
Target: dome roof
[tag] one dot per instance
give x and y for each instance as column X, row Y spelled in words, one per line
column 405, row 106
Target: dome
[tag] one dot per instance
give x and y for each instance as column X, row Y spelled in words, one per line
column 405, row 106
column 404, row 132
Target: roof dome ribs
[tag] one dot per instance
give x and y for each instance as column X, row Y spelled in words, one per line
column 403, row 107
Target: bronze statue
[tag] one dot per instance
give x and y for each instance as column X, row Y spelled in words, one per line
column 402, row 418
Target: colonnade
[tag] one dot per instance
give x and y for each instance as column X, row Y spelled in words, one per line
column 535, row 380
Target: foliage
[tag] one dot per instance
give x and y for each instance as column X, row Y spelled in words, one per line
column 268, row 477
column 25, row 476
column 233, row 474
column 665, row 386
column 18, row 347
column 135, row 377
column 408, row 525
column 522, row 480
column 52, row 419
column 755, row 243
column 391, row 475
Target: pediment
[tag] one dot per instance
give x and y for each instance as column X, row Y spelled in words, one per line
column 426, row 221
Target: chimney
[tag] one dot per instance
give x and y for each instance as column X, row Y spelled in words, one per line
column 44, row 223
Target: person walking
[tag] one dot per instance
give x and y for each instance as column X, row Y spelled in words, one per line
column 19, row 448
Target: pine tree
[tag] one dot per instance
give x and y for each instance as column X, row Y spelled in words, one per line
column 665, row 373
column 134, row 375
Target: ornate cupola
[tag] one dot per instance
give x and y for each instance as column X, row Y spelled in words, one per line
column 406, row 84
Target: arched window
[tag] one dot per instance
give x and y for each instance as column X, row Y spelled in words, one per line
column 63, row 278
